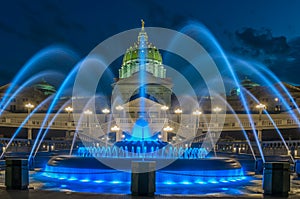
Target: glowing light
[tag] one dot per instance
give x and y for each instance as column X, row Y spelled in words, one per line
column 260, row 106
column 119, row 108
column 85, row 180
column 185, row 182
column 105, row 111
column 200, row 182
column 72, row 179
column 29, row 106
column 115, row 128
column 98, row 181
column 168, row 129
column 164, row 108
column 88, row 112
column 231, row 179
column 116, row 182
column 197, row 112
column 223, row 180
column 69, row 109
column 169, row 182
column 178, row 111
column 217, row 109
column 213, row 181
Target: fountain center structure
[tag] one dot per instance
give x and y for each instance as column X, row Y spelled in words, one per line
column 142, row 131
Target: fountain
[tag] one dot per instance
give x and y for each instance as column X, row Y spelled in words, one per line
column 143, row 131
column 176, row 163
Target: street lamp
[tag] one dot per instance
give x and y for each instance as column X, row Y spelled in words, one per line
column 29, row 106
column 164, row 108
column 115, row 128
column 197, row 113
column 260, row 108
column 167, row 129
column 88, row 112
column 178, row 111
column 277, row 104
column 119, row 108
column 69, row 109
column 105, row 111
column 217, row 110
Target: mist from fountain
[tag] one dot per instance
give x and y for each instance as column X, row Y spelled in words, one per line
column 24, row 85
column 57, row 96
column 43, row 54
column 168, row 152
column 273, row 123
column 141, row 130
column 239, row 121
column 50, row 124
column 197, row 27
column 24, row 122
column 272, row 87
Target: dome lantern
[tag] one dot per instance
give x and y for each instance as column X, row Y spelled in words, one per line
column 151, row 57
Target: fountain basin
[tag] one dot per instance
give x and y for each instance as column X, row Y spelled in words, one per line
column 90, row 169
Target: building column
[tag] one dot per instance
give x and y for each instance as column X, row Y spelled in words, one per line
column 259, row 135
column 118, row 136
column 165, row 136
column 29, row 134
column 68, row 134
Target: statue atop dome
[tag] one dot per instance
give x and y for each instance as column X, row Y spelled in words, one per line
column 143, row 24
column 151, row 57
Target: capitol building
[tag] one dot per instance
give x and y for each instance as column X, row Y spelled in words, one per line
column 158, row 94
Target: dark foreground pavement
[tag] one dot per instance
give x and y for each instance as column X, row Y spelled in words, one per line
column 40, row 194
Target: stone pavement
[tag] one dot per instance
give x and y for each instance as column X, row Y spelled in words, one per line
column 40, row 194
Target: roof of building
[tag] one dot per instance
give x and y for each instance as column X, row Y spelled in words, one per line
column 151, row 79
column 142, row 49
column 45, row 87
column 248, row 84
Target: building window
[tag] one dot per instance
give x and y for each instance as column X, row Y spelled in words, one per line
column 12, row 108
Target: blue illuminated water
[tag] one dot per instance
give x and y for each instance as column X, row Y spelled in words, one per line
column 142, row 70
column 49, row 125
column 141, row 131
column 166, row 183
column 57, row 96
column 15, row 134
column 145, row 149
column 44, row 54
column 206, row 36
column 162, row 177
column 273, row 123
column 23, row 86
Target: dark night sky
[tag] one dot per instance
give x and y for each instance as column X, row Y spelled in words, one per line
column 250, row 28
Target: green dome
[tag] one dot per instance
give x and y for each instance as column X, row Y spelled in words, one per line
column 248, row 84
column 133, row 54
column 151, row 60
column 45, row 87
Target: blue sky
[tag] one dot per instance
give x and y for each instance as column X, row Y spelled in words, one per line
column 28, row 26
